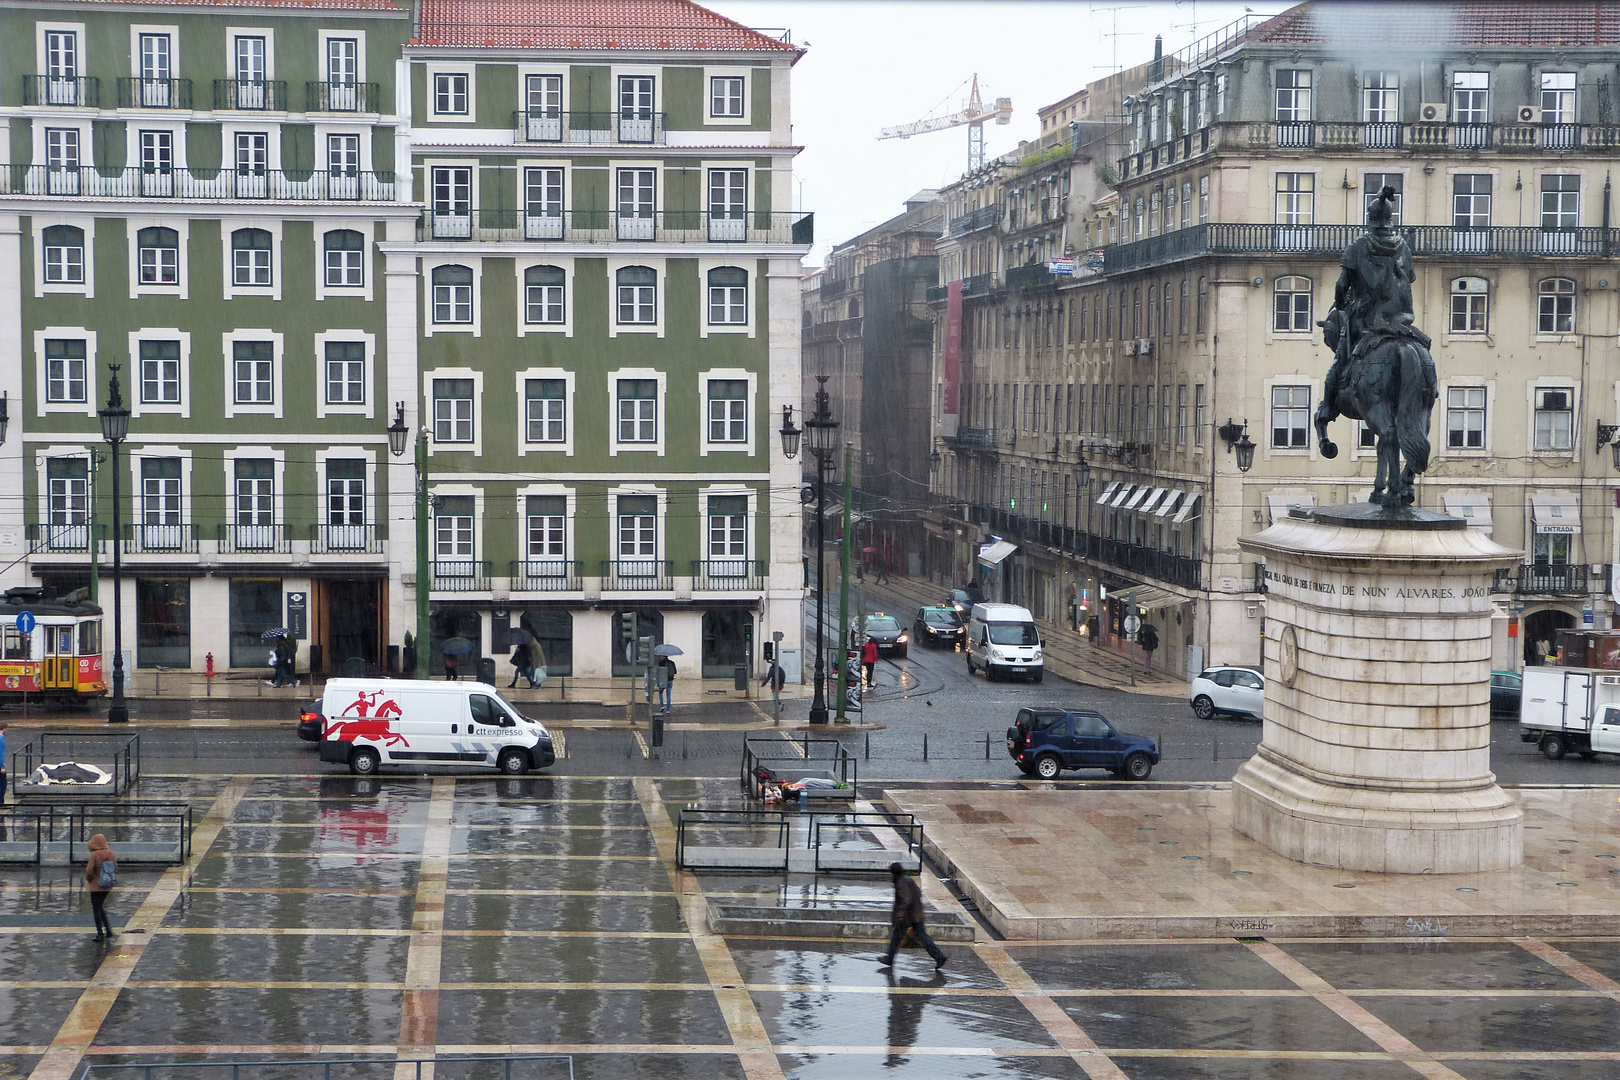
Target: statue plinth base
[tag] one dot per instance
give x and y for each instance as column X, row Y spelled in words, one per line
column 1376, row 746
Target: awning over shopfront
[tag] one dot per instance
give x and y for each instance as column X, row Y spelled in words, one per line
column 1124, row 493
column 1473, row 507
column 1556, row 512
column 1149, row 597
column 1170, row 502
column 1136, row 500
column 1189, row 509
column 1108, row 493
column 1278, row 500
column 1151, row 501
column 992, row 554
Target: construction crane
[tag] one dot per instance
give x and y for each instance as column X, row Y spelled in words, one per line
column 974, row 116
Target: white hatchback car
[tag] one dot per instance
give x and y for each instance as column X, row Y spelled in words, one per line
column 1237, row 690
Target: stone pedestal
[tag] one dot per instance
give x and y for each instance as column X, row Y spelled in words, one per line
column 1376, row 747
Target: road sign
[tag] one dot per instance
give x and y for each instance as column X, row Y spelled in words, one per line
column 1133, row 623
column 25, row 622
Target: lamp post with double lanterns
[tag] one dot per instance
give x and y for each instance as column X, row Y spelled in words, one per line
column 397, row 434
column 822, row 430
column 115, row 429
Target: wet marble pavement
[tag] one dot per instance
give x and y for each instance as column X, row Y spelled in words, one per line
column 340, row 916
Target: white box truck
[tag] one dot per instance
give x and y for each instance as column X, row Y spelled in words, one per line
column 1571, row 710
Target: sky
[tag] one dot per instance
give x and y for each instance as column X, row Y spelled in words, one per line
column 875, row 63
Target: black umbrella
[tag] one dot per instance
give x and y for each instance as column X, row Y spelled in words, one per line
column 456, row 645
column 516, row 635
column 271, row 635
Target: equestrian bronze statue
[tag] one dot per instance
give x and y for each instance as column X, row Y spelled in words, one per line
column 1382, row 372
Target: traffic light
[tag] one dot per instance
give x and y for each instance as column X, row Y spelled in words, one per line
column 627, row 625
column 770, row 650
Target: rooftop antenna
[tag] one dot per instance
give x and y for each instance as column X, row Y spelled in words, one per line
column 1116, row 33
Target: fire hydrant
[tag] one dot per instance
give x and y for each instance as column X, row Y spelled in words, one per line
column 209, row 673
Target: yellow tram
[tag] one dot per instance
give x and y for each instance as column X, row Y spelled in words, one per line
column 60, row 657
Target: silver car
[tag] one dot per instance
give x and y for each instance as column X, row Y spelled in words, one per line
column 1239, row 691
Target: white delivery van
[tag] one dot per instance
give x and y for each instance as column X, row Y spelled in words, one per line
column 1002, row 640
column 368, row 723
column 1570, row 710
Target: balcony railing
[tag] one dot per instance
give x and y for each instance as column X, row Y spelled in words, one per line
column 45, row 537
column 638, row 575
column 210, row 185
column 729, row 575
column 833, row 286
column 79, row 91
column 342, row 97
column 460, row 575
column 970, row 438
column 1029, row 277
column 974, row 220
column 608, row 226
column 547, row 575
column 143, row 539
column 588, row 127
column 237, row 539
column 1550, row 579
column 327, row 539
column 154, row 93
column 251, row 95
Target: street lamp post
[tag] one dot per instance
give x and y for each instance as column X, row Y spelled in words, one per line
column 114, row 429
column 822, row 430
column 397, row 434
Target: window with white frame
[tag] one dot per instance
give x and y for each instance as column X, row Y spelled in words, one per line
column 543, row 203
column 1470, row 97
column 1551, row 549
column 62, row 68
column 158, row 256
column 728, row 535
column 638, row 410
column 1555, row 418
column 450, row 93
column 1465, row 417
column 345, row 373
column 64, row 255
column 452, row 410
column 728, row 411
column 157, row 161
column 253, row 364
column 453, row 539
column 1293, row 96
column 637, row 296
column 636, row 203
column 1470, row 305
column 1291, row 305
column 62, row 160
column 728, row 296
column 1203, row 199
column 635, row 116
column 160, row 372
column 1381, row 97
column 1296, row 198
column 65, row 370
column 67, row 482
column 546, row 535
column 1373, row 183
column 726, row 96
column 345, row 259
column 255, row 499
column 345, row 492
column 343, row 163
column 638, row 530
column 160, row 494
column 1200, row 413
column 155, row 60
column 1560, row 202
column 252, row 158
column 543, row 299
column 1290, row 417
column 1557, row 97
column 545, row 410
column 543, row 96
column 1555, row 304
column 452, row 295
column 250, row 257
column 450, row 200
column 252, row 59
column 1181, row 415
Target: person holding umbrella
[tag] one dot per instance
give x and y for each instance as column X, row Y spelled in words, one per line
column 666, row 691
column 280, row 656
column 452, row 648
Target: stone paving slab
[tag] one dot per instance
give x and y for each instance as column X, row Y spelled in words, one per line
column 1161, row 861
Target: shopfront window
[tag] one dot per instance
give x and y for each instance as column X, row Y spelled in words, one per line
column 163, row 623
column 255, row 608
column 554, row 632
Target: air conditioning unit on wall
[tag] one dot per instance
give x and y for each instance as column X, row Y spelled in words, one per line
column 1527, row 114
column 1144, row 347
column 1130, row 348
column 1433, row 112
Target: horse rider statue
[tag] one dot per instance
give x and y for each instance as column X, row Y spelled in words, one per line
column 1382, row 372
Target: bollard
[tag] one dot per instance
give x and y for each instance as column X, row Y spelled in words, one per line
column 868, row 746
column 925, row 746
column 157, row 682
column 987, row 746
column 1215, row 755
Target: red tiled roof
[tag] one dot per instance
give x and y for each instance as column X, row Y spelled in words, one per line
column 1472, row 22
column 323, row 5
column 588, row 24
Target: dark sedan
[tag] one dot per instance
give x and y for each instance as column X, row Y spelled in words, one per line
column 938, row 626
column 890, row 636
column 1506, row 689
column 310, row 721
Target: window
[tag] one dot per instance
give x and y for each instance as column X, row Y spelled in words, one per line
column 64, row 255
column 68, row 494
column 636, row 204
column 157, row 161
column 728, row 533
column 1181, row 415
column 255, row 493
column 155, row 65
column 1470, row 303
column 343, row 163
column 252, row 158
column 728, row 296
column 1164, row 413
column 1201, row 312
column 62, row 67
column 638, row 526
column 160, row 492
column 450, row 93
column 1552, row 549
column 1372, row 183
column 345, row 492
column 1184, row 309
column 158, row 256
column 1556, row 306
column 545, row 410
column 638, row 296
column 1471, row 210
column 160, row 372
column 345, row 373
column 250, row 257
column 1465, row 418
column 1560, row 202
column 1555, row 419
column 450, row 196
column 252, row 363
column 728, row 204
column 452, row 410
column 726, row 96
column 546, row 538
column 1381, row 97
column 345, row 259
column 342, row 74
column 452, row 295
column 1558, row 98
column 728, row 411
column 1291, row 302
column 1296, row 198
column 163, row 623
column 1293, row 96
column 638, row 410
column 543, row 202
column 1290, row 416
column 635, row 108
column 1200, row 420
column 1471, row 108
column 65, row 370
column 543, row 295
column 453, row 547
column 62, row 161
column 1203, row 199
column 251, row 60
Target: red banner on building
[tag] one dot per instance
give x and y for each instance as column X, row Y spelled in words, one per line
column 950, row 402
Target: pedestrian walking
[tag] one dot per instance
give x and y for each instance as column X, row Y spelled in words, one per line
column 666, row 691
column 907, row 918
column 1074, row 607
column 537, row 666
column 450, row 672
column 883, row 572
column 521, row 666
column 869, row 655
column 289, row 661
column 100, row 875
column 1149, row 642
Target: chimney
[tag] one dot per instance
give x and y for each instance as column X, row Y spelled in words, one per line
column 1156, row 71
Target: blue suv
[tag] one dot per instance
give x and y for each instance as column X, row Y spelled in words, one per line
column 1044, row 742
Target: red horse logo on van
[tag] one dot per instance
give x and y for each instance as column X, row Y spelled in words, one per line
column 376, row 728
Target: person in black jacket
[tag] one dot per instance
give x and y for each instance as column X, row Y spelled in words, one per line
column 908, row 918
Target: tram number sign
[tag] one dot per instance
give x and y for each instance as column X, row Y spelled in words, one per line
column 25, row 622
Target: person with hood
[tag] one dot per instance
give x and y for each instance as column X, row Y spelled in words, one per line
column 907, row 918
column 100, row 875
column 522, row 666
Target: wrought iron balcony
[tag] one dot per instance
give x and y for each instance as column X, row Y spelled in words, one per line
column 729, row 575
column 65, row 538
column 154, row 93
column 250, row 95
column 974, row 220
column 833, row 286
column 1550, row 579
column 1029, row 277
column 208, row 185
column 74, row 91
column 608, row 226
column 328, row 539
column 638, row 575
column 141, row 538
column 237, row 539
column 461, row 575
column 343, row 97
column 970, row 438
column 547, row 575
column 588, row 127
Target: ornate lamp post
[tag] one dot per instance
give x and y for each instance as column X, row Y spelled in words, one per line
column 115, row 429
column 397, row 434
column 822, row 432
